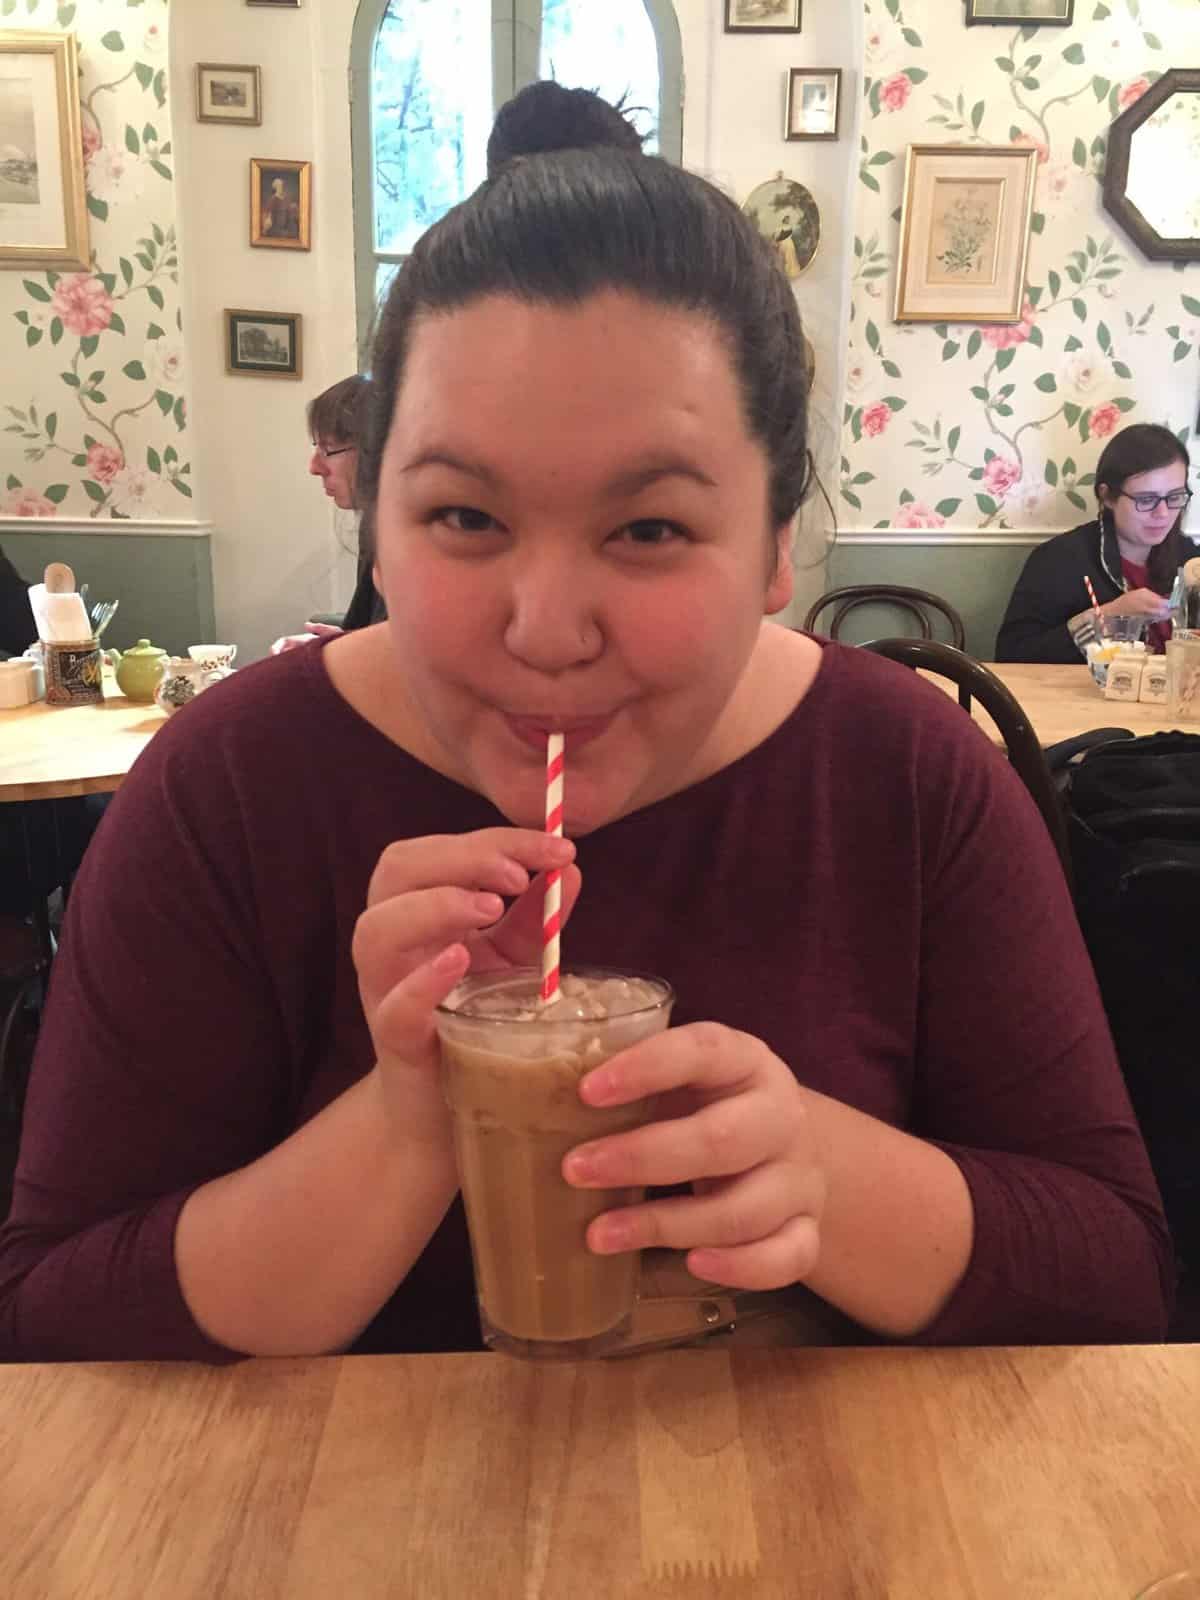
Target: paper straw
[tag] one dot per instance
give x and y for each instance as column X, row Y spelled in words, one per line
column 1092, row 597
column 552, row 907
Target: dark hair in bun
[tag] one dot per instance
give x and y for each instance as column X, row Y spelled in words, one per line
column 564, row 223
column 545, row 116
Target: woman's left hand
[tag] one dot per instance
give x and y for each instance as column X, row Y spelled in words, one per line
column 732, row 1121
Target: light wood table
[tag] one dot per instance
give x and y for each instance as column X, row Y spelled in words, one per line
column 1052, row 1474
column 57, row 752
column 1062, row 701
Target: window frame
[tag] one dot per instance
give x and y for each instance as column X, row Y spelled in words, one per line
column 516, row 56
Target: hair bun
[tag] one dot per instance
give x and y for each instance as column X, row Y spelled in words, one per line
column 545, row 117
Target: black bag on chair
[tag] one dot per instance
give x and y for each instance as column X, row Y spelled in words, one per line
column 1133, row 817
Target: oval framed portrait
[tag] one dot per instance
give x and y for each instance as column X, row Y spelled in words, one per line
column 786, row 215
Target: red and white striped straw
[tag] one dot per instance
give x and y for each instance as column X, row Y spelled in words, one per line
column 1092, row 596
column 552, row 908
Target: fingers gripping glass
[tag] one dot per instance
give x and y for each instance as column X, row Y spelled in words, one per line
column 1146, row 503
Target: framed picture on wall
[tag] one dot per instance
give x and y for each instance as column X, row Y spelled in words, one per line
column 786, row 215
column 762, row 16
column 813, row 102
column 263, row 344
column 43, row 202
column 281, row 204
column 1003, row 13
column 964, row 233
column 228, row 94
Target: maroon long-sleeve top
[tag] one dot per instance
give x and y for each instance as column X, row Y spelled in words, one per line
column 870, row 891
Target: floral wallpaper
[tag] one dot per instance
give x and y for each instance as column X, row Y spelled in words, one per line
column 998, row 427
column 93, row 408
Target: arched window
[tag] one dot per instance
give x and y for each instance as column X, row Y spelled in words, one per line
column 428, row 75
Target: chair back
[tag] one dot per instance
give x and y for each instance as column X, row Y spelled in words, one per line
column 1024, row 752
column 917, row 602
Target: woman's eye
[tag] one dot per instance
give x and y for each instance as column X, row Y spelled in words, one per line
column 650, row 531
column 464, row 519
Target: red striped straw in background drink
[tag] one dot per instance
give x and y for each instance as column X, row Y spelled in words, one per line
column 1095, row 603
column 552, row 906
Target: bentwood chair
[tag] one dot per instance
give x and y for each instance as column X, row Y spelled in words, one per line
column 23, row 964
column 917, row 602
column 1025, row 754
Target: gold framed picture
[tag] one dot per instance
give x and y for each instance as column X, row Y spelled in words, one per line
column 227, row 93
column 813, row 102
column 43, row 202
column 264, row 344
column 280, row 204
column 964, row 233
column 788, row 218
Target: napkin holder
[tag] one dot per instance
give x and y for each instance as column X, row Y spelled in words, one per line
column 73, row 673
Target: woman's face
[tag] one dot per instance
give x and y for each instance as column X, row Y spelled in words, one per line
column 336, row 464
column 573, row 534
column 1145, row 528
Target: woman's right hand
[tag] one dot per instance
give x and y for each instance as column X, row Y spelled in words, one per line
column 1137, row 603
column 434, row 912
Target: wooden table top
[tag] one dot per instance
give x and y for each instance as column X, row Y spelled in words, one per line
column 54, row 752
column 1051, row 1474
column 1062, row 701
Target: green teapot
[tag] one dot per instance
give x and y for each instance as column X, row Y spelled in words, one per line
column 139, row 669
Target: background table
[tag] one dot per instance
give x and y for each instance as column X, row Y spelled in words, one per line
column 1062, row 701
column 56, row 752
column 743, row 1475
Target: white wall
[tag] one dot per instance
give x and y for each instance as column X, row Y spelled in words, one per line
column 733, row 119
column 276, row 551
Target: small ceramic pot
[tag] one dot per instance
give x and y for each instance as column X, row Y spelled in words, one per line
column 182, row 681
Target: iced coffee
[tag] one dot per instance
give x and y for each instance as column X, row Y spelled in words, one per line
column 512, row 1069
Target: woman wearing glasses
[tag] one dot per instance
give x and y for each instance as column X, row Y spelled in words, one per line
column 1131, row 552
column 335, row 424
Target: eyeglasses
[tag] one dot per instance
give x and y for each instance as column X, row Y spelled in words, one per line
column 327, row 454
column 1175, row 501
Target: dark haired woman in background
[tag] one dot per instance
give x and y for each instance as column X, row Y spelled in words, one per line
column 892, row 1093
column 1131, row 552
column 336, row 419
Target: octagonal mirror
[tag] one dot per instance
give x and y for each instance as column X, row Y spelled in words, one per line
column 1152, row 181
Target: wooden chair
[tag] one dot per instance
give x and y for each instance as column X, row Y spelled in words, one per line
column 1024, row 752
column 23, row 964
column 914, row 601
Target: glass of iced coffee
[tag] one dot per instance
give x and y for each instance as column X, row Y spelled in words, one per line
column 511, row 1067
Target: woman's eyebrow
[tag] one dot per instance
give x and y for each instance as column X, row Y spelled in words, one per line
column 629, row 481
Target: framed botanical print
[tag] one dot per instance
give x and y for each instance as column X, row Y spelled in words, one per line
column 43, row 202
column 1036, row 13
column 964, row 233
column 813, row 102
column 264, row 344
column 762, row 16
column 281, row 205
column 228, row 94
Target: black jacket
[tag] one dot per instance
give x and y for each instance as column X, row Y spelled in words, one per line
column 1051, row 590
column 17, row 627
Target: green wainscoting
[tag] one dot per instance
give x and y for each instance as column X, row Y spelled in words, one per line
column 977, row 580
column 163, row 580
